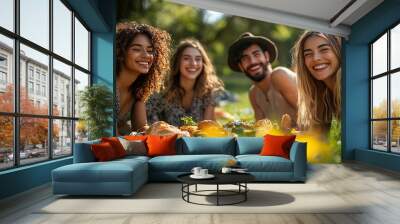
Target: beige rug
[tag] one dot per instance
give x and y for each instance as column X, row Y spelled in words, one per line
column 166, row 198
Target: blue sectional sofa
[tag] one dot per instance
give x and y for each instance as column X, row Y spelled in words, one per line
column 125, row 176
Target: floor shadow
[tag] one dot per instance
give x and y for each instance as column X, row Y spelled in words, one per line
column 255, row 198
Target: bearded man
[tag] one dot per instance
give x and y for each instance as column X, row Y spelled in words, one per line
column 274, row 91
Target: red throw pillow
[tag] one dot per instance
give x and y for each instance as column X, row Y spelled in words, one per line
column 116, row 145
column 277, row 145
column 103, row 151
column 161, row 145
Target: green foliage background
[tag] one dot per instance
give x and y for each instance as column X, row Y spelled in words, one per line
column 183, row 21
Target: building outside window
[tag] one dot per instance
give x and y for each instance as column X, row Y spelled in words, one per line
column 34, row 75
column 385, row 94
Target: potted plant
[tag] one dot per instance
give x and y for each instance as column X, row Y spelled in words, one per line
column 96, row 102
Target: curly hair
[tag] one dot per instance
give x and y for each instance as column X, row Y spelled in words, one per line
column 317, row 104
column 144, row 85
column 206, row 83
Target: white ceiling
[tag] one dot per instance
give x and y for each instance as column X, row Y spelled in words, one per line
column 318, row 15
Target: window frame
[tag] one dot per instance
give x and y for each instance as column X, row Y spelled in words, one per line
column 388, row 74
column 16, row 115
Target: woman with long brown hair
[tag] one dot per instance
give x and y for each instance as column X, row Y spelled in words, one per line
column 142, row 59
column 317, row 59
column 191, row 87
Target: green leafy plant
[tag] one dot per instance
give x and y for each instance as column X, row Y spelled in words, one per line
column 188, row 121
column 96, row 102
column 334, row 139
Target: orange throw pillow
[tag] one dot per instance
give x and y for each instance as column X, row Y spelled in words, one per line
column 161, row 145
column 103, row 151
column 277, row 145
column 116, row 145
column 135, row 137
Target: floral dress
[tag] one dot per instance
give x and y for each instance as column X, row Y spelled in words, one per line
column 124, row 126
column 158, row 109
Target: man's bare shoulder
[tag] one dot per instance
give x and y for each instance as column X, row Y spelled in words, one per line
column 280, row 74
column 252, row 92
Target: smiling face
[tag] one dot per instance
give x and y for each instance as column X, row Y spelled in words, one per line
column 191, row 63
column 320, row 59
column 254, row 62
column 139, row 55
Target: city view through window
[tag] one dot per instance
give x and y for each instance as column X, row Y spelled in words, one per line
column 385, row 94
column 41, row 76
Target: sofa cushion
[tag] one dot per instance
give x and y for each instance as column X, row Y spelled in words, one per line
column 200, row 145
column 185, row 163
column 135, row 137
column 103, row 152
column 161, row 145
column 112, row 171
column 277, row 145
column 134, row 147
column 257, row 163
column 116, row 145
column 83, row 152
column 249, row 145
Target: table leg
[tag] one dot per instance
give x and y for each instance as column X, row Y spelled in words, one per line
column 217, row 194
column 245, row 191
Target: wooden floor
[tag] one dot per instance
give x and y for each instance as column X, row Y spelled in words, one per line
column 378, row 189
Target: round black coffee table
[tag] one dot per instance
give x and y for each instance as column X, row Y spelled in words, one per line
column 238, row 179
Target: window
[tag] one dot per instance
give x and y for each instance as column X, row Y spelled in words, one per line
column 30, row 72
column 3, row 72
column 3, row 61
column 43, row 77
column 37, row 74
column 30, row 87
column 385, row 95
column 43, row 90
column 3, row 78
column 38, row 89
column 39, row 80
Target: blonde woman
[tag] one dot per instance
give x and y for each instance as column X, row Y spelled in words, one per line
column 142, row 58
column 191, row 88
column 317, row 60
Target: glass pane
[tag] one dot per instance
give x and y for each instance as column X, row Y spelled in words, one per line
column 34, row 97
column 379, row 97
column 395, row 138
column 6, row 74
column 379, row 55
column 62, row 89
column 62, row 141
column 35, row 21
column 7, row 14
column 379, row 135
column 81, row 131
column 33, row 139
column 62, row 29
column 395, row 47
column 395, row 94
column 6, row 142
column 81, row 45
column 81, row 81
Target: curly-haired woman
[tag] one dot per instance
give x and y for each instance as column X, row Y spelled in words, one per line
column 142, row 59
column 192, row 87
column 318, row 64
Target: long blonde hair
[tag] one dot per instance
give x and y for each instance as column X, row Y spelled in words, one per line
column 317, row 104
column 206, row 83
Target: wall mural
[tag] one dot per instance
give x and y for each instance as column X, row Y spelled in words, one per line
column 202, row 73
